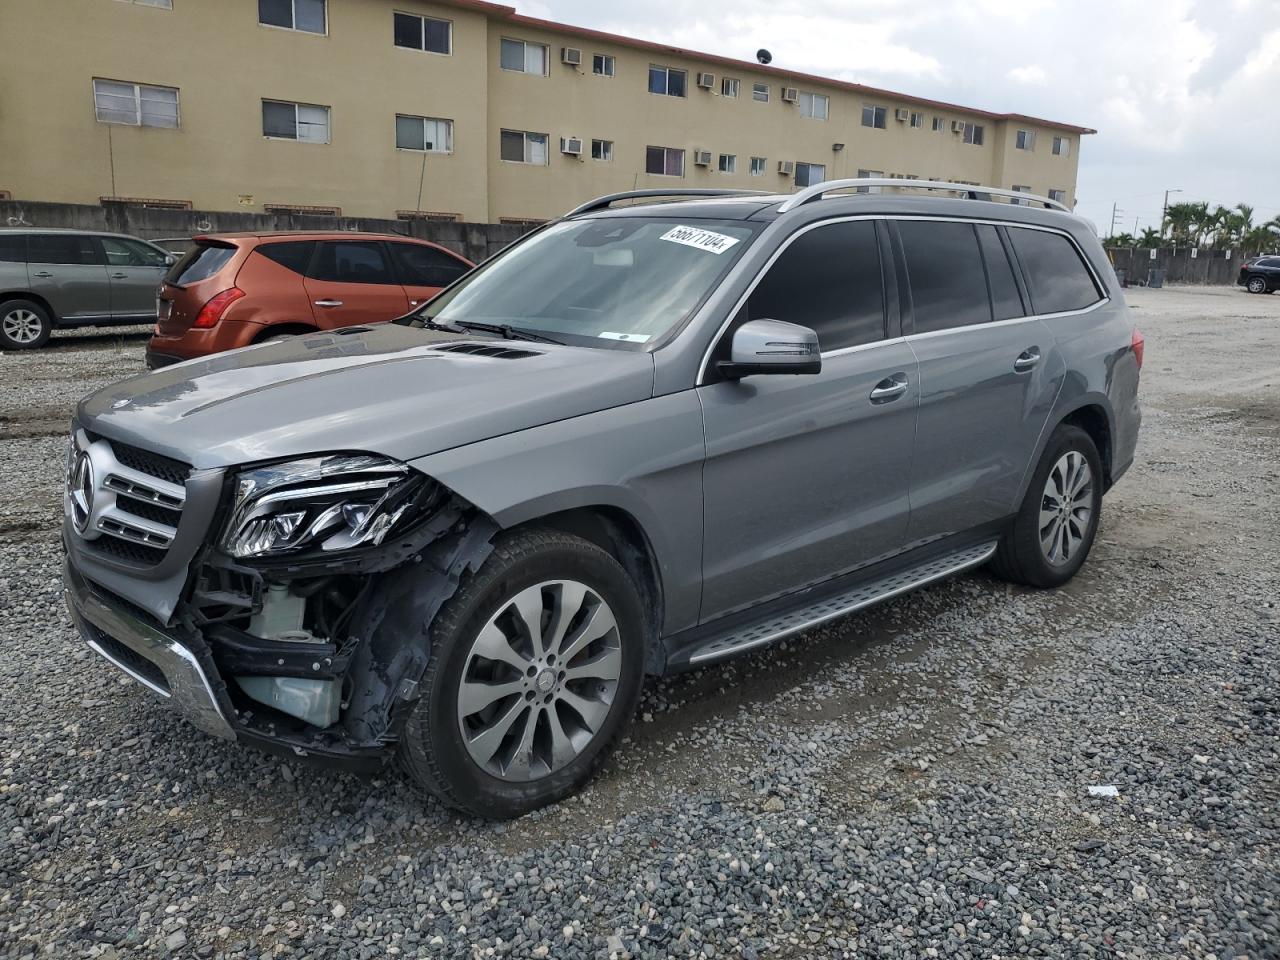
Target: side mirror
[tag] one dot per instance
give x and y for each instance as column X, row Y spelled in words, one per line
column 170, row 259
column 771, row 347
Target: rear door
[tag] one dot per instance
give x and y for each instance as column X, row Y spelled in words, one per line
column 989, row 373
column 135, row 270
column 67, row 270
column 353, row 281
column 425, row 270
column 13, row 262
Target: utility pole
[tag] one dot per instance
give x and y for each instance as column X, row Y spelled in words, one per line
column 1115, row 215
column 1164, row 210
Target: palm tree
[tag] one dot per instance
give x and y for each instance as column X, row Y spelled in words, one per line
column 1150, row 238
column 1181, row 219
column 1122, row 240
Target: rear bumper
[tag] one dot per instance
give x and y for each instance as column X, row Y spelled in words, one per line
column 225, row 335
column 158, row 661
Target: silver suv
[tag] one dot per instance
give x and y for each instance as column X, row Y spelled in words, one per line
column 70, row 278
column 645, row 438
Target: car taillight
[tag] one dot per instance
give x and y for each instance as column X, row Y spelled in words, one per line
column 1139, row 344
column 212, row 311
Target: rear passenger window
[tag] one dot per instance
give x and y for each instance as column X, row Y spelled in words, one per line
column 293, row 254
column 352, row 261
column 422, row 266
column 13, row 248
column 200, row 263
column 61, row 248
column 1006, row 302
column 1057, row 278
column 827, row 280
column 944, row 267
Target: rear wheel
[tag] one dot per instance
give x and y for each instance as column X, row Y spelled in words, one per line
column 535, row 670
column 1257, row 285
column 1058, row 520
column 24, row 325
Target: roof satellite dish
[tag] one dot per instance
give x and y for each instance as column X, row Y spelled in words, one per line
column 764, row 56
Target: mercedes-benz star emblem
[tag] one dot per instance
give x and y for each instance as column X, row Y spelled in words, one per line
column 81, row 490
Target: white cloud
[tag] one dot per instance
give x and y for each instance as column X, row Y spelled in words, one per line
column 1032, row 75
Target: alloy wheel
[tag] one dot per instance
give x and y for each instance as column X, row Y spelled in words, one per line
column 1257, row 285
column 22, row 326
column 1066, row 508
column 539, row 680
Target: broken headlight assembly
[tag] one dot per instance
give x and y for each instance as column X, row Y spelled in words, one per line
column 320, row 504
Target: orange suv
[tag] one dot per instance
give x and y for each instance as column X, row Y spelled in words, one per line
column 234, row 289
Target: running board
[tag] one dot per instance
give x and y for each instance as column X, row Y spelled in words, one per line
column 863, row 595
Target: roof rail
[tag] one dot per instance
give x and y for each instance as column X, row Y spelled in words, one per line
column 602, row 203
column 818, row 190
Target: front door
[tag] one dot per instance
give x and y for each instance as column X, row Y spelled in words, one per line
column 135, row 271
column 66, row 269
column 806, row 477
column 350, row 282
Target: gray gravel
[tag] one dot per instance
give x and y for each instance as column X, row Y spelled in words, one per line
column 908, row 782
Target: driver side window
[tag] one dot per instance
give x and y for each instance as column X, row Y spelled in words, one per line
column 829, row 280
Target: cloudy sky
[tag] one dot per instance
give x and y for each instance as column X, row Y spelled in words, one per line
column 1184, row 93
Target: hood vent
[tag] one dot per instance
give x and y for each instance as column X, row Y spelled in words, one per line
column 490, row 350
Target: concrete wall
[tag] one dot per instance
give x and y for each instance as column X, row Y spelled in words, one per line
column 476, row 241
column 1208, row 266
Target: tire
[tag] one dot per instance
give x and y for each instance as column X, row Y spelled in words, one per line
column 570, row 724
column 1033, row 551
column 1257, row 285
column 24, row 325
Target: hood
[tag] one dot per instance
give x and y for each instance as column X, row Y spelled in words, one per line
column 394, row 390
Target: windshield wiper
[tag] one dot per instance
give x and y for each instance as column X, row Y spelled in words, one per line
column 432, row 324
column 506, row 331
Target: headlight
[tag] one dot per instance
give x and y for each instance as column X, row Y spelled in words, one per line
column 328, row 503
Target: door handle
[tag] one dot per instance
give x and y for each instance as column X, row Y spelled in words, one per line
column 119, row 276
column 328, row 304
column 1027, row 359
column 890, row 388
column 43, row 274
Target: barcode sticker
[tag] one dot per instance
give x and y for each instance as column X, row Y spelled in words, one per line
column 628, row 337
column 708, row 240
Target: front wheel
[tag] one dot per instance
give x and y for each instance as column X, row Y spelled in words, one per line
column 535, row 671
column 1054, row 529
column 1257, row 285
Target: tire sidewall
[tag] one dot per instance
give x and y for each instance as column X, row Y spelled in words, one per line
column 1257, row 282
column 436, row 716
column 1064, row 440
column 11, row 305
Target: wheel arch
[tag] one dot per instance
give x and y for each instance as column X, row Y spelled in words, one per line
column 284, row 329
column 7, row 295
column 1095, row 420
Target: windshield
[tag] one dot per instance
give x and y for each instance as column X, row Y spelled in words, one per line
column 615, row 281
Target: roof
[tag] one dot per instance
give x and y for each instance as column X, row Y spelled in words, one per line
column 75, row 231
column 309, row 235
column 509, row 14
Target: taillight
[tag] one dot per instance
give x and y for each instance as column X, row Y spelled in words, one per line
column 212, row 311
column 1139, row 344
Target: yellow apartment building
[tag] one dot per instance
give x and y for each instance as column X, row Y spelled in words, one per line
column 453, row 110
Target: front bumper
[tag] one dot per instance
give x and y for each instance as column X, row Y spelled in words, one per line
column 160, row 662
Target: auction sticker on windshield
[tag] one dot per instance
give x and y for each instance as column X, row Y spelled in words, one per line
column 708, row 240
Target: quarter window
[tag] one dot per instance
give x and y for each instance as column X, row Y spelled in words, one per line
column 729, row 87
column 424, row 133
column 873, row 116
column 1006, row 302
column 944, row 267
column 601, row 149
column 828, row 279
column 352, row 261
column 664, row 161
column 667, row 81
column 521, row 57
column 814, row 106
column 307, row 122
column 423, row 33
column 760, row 92
column 1057, row 278
column 758, row 165
column 293, row 255
column 603, row 65
column 807, row 174
column 519, row 146
column 135, row 104
column 305, row 15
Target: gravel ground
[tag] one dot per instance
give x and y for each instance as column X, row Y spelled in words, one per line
column 912, row 781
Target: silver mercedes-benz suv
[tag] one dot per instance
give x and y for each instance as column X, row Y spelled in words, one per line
column 647, row 437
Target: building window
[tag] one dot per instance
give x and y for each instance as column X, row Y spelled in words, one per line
column 147, row 203
column 429, row 215
column 814, row 106
column 1059, row 195
column 305, row 15
column 867, row 175
column 302, row 210
column 973, row 134
column 1061, row 147
column 165, row 4
column 603, row 65
column 664, row 161
column 135, row 104
column 917, row 119
column 760, row 92
column 807, row 174
column 874, row 117
column 667, row 81
column 522, row 57
column 939, row 124
column 601, row 149
column 1020, row 188
column 423, row 33
column 295, row 121
column 521, row 221
column 519, row 146
column 729, row 87
column 757, row 166
column 424, row 133
column 1025, row 140
column 728, row 163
